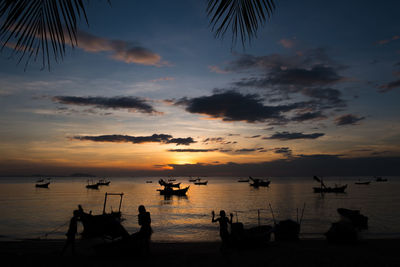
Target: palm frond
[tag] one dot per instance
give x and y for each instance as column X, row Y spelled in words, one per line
column 40, row 27
column 243, row 17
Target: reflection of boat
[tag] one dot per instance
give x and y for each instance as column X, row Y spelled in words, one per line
column 243, row 180
column 379, row 179
column 103, row 182
column 168, row 191
column 259, row 182
column 199, row 182
column 92, row 185
column 325, row 189
column 363, row 183
column 164, row 183
column 43, row 185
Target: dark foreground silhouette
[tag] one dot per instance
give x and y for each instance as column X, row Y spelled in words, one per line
column 302, row 253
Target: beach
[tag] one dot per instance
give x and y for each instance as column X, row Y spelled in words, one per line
column 371, row 252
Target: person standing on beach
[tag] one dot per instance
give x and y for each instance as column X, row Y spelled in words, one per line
column 145, row 231
column 223, row 224
column 72, row 230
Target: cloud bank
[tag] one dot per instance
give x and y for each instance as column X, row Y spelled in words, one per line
column 155, row 138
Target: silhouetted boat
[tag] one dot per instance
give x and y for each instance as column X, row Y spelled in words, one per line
column 103, row 182
column 168, row 191
column 164, row 183
column 92, row 185
column 325, row 189
column 363, row 183
column 243, row 180
column 171, row 180
column 43, row 185
column 193, row 180
column 106, row 225
column 149, row 182
column 199, row 182
column 380, row 179
column 259, row 182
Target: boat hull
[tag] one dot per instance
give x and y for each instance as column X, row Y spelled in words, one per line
column 46, row 185
column 171, row 192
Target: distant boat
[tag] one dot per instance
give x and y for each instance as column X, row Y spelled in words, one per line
column 363, row 183
column 243, row 180
column 103, row 182
column 168, row 191
column 199, row 182
column 149, row 182
column 193, row 180
column 43, row 183
column 92, row 185
column 325, row 189
column 171, row 180
column 380, row 179
column 259, row 182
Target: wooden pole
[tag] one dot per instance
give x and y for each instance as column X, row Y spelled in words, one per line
column 258, row 214
column 105, row 201
column 272, row 212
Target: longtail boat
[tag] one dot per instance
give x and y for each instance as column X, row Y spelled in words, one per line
column 168, row 191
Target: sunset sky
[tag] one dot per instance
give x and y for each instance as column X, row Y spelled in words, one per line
column 150, row 89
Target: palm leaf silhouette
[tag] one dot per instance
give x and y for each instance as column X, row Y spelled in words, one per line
column 33, row 27
column 243, row 17
column 43, row 27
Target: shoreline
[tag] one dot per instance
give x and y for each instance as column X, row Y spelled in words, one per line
column 305, row 252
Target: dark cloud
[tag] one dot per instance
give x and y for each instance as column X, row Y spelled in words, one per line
column 155, row 138
column 283, row 150
column 308, row 116
column 348, row 119
column 284, row 136
column 310, row 73
column 218, row 140
column 247, row 150
column 254, row 136
column 234, row 106
column 130, row 103
column 192, row 150
column 389, row 86
column 181, row 141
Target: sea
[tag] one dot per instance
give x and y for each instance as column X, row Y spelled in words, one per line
column 27, row 212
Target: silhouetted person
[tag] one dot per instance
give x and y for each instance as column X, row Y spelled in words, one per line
column 145, row 231
column 72, row 230
column 223, row 225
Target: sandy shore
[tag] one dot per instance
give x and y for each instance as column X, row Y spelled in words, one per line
column 302, row 253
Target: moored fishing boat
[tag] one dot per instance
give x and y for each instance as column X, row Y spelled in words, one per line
column 199, row 182
column 43, row 183
column 164, row 183
column 363, row 183
column 259, row 182
column 168, row 191
column 103, row 182
column 92, row 185
column 324, row 189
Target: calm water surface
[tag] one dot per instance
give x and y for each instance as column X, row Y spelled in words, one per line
column 29, row 212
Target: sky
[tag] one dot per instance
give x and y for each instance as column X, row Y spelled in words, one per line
column 149, row 90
